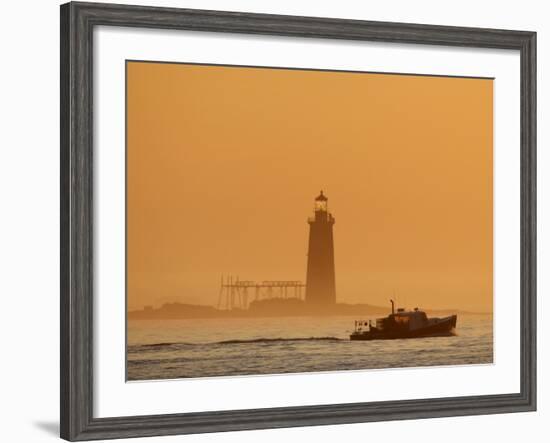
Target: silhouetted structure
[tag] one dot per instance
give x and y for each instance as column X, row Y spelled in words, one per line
column 320, row 279
column 234, row 293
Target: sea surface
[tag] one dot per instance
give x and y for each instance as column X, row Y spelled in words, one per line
column 168, row 349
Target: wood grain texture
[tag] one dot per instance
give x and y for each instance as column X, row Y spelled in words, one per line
column 77, row 23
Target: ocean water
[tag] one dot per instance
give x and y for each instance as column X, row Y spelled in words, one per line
column 168, row 349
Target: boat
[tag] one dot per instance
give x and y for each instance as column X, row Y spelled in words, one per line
column 404, row 324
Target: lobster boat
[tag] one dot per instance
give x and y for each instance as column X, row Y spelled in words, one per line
column 402, row 323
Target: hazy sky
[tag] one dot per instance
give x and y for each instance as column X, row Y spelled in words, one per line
column 224, row 164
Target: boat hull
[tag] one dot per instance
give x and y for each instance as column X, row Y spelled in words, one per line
column 443, row 327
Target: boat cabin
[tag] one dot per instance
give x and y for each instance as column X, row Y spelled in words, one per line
column 402, row 319
column 406, row 319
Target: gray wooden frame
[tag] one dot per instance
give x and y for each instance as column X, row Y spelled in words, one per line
column 77, row 23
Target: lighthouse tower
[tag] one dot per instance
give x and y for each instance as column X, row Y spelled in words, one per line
column 320, row 284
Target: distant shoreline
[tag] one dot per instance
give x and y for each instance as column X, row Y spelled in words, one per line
column 271, row 308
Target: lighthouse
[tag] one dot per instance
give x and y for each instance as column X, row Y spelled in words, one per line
column 320, row 279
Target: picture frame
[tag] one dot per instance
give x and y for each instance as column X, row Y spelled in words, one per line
column 78, row 21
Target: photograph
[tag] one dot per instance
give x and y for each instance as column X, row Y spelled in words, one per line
column 281, row 221
column 286, row 220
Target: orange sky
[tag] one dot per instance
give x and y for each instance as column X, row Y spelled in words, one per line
column 224, row 164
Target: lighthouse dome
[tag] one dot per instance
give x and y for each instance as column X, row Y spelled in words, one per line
column 321, row 197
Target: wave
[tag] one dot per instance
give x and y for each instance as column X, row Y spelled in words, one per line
column 236, row 341
column 268, row 340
